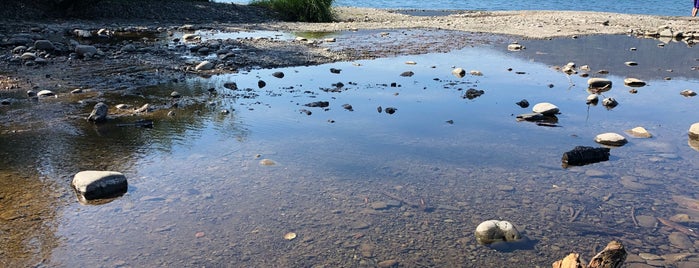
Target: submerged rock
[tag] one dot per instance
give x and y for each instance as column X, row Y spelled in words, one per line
column 321, row 104
column 93, row 184
column 583, row 155
column 492, row 231
column 523, row 103
column 407, row 74
column 473, row 93
column 611, row 139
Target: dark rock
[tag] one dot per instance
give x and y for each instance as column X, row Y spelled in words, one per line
column 537, row 117
column 523, row 103
column 144, row 123
column 231, row 85
column 390, row 110
column 99, row 113
column 347, row 107
column 321, row 104
column 335, row 71
column 304, row 111
column 261, row 84
column 583, row 155
column 407, row 74
column 610, row 103
column 92, row 184
column 473, row 93
column 85, row 51
column 278, row 74
column 44, row 45
column 379, row 109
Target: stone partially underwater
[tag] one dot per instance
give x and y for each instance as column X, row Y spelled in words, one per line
column 98, row 187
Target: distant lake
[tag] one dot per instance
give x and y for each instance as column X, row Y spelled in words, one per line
column 652, row 7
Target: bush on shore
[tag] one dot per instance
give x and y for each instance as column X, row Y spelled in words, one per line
column 300, row 10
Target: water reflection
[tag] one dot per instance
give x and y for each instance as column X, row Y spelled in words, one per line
column 354, row 185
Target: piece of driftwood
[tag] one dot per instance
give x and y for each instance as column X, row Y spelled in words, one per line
column 583, row 155
column 612, row 256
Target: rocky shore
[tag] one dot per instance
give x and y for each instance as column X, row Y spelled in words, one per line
column 145, row 46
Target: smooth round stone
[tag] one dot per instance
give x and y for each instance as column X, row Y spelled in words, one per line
column 599, row 82
column 634, row 82
column 45, row 93
column 492, row 231
column 639, row 132
column 458, row 72
column 545, row 108
column 514, row 47
column 592, row 99
column 204, row 66
column 611, row 139
column 631, row 63
column 694, row 131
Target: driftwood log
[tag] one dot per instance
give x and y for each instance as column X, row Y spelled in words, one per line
column 612, row 256
column 583, row 155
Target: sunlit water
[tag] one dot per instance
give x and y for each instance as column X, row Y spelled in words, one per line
column 654, row 7
column 198, row 195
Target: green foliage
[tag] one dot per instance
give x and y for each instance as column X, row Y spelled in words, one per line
column 300, row 10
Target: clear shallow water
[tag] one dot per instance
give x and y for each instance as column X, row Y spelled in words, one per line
column 199, row 197
column 654, row 7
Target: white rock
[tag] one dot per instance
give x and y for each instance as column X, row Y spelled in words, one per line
column 45, row 93
column 694, row 131
column 93, row 184
column 514, row 47
column 329, row 40
column 496, row 231
column 639, row 132
column 28, row 56
column 204, row 66
column 545, row 108
column 611, row 139
column 458, row 72
column 191, row 37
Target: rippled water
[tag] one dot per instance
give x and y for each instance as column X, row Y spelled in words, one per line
column 654, row 7
column 361, row 187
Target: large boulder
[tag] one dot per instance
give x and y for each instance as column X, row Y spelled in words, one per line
column 492, row 231
column 92, row 184
column 99, row 113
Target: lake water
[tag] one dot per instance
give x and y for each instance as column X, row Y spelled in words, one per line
column 359, row 187
column 652, row 7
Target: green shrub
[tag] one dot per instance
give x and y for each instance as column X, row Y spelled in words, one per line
column 300, row 10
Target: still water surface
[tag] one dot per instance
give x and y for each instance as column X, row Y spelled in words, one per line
column 361, row 187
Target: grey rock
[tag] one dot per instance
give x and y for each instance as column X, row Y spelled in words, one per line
column 44, row 45
column 128, row 48
column 85, row 51
column 680, row 240
column 278, row 74
column 93, row 184
column 407, row 74
column 610, row 103
column 99, row 113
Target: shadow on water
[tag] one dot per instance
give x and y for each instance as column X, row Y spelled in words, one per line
column 208, row 188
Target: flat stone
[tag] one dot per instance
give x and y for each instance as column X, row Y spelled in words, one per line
column 514, row 47
column 379, row 205
column 634, row 82
column 545, row 108
column 649, row 256
column 94, row 184
column 639, row 132
column 45, row 93
column 630, row 183
column 611, row 139
column 387, row 263
column 680, row 240
column 599, row 83
column 646, row 221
